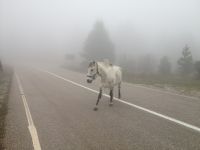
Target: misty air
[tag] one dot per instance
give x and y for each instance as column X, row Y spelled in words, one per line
column 109, row 74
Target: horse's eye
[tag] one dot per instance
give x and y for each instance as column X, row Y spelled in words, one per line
column 92, row 69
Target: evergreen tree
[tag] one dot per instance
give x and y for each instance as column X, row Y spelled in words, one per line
column 98, row 45
column 186, row 61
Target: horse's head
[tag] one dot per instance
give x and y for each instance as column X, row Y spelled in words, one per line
column 92, row 71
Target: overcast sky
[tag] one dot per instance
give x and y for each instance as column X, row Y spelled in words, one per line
column 36, row 27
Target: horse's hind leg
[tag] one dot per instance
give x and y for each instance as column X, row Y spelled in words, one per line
column 111, row 97
column 119, row 90
column 99, row 97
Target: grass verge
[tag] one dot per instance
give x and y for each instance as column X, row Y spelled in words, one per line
column 173, row 83
column 5, row 82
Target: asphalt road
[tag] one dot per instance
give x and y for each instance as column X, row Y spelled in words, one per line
column 63, row 117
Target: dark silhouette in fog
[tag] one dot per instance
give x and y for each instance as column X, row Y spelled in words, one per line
column 197, row 67
column 165, row 66
column 98, row 45
column 1, row 66
column 186, row 61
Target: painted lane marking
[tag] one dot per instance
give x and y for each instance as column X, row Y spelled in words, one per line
column 31, row 126
column 187, row 125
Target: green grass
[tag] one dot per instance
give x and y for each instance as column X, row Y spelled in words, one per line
column 5, row 81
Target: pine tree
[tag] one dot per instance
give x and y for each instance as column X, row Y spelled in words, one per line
column 186, row 61
column 98, row 45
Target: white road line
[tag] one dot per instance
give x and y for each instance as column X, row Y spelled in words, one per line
column 31, row 126
column 187, row 125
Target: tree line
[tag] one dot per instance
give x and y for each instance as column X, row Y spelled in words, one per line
column 99, row 45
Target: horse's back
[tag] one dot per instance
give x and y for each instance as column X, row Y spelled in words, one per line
column 113, row 75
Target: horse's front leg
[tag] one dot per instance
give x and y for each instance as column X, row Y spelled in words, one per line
column 99, row 97
column 111, row 97
column 119, row 90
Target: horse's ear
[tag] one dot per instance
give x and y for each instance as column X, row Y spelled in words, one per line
column 92, row 63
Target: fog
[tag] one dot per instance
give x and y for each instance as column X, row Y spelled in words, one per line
column 46, row 30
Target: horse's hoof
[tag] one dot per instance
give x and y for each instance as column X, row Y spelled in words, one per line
column 111, row 104
column 95, row 108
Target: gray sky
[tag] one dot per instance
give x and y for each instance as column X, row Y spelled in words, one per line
column 56, row 27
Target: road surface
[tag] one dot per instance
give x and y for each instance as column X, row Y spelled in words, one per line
column 52, row 109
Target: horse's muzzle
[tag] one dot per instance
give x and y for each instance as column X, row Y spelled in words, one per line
column 90, row 78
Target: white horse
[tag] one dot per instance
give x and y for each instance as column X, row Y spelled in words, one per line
column 110, row 76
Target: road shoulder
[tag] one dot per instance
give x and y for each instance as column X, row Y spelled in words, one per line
column 17, row 134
